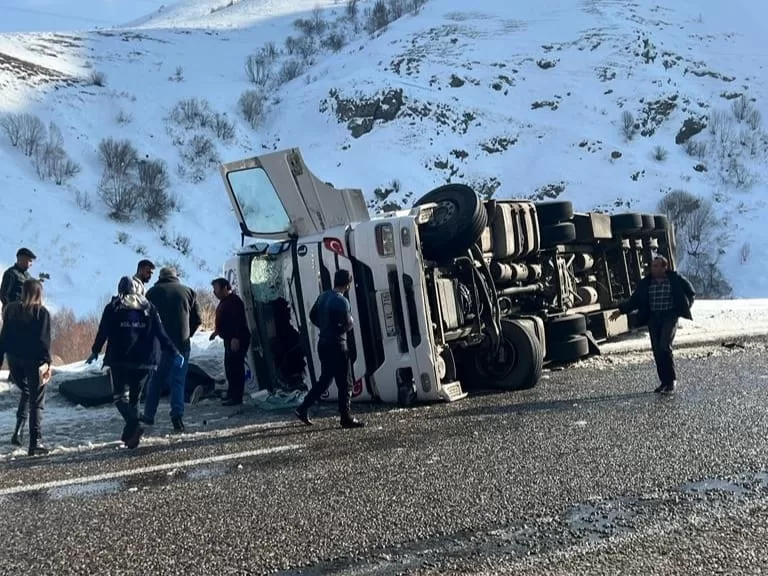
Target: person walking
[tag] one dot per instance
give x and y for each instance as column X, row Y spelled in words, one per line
column 180, row 314
column 144, row 271
column 332, row 313
column 661, row 299
column 231, row 326
column 134, row 334
column 15, row 276
column 25, row 339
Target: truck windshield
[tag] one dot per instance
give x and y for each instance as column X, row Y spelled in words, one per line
column 260, row 206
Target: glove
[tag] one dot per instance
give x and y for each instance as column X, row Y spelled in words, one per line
column 178, row 362
column 92, row 358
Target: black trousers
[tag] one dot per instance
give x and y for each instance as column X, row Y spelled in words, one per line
column 234, row 369
column 662, row 329
column 334, row 365
column 26, row 376
column 127, row 384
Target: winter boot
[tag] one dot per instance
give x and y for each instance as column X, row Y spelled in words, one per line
column 178, row 424
column 18, row 432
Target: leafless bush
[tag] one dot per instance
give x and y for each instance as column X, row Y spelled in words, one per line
column 257, row 69
column 660, row 153
column 396, row 9
column 251, row 105
column 291, row 44
column 378, row 17
column 52, row 163
column 696, row 148
column 178, row 75
column 754, row 119
column 270, row 51
column 72, row 337
column 117, row 187
column 123, row 118
column 306, row 48
column 200, row 155
column 83, row 200
column 156, row 202
column 12, row 126
column 415, row 5
column 745, row 252
column 333, row 41
column 208, row 303
column 718, row 120
column 118, row 156
column 222, row 127
column 738, row 173
column 192, row 113
column 352, row 9
column 627, row 124
column 290, row 70
column 96, row 78
column 741, row 107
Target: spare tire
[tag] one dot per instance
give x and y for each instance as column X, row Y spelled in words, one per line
column 649, row 222
column 566, row 351
column 626, row 223
column 550, row 213
column 457, row 224
column 661, row 222
column 94, row 389
column 557, row 234
column 565, row 327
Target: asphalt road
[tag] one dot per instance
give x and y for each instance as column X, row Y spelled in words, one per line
column 589, row 473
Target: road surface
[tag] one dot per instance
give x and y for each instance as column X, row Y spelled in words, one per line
column 589, row 473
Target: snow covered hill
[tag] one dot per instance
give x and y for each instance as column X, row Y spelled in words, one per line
column 520, row 99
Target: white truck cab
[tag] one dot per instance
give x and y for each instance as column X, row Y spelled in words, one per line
column 302, row 231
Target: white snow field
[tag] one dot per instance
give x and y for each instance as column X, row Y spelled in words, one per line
column 524, row 99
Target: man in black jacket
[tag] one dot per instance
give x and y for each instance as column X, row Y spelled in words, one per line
column 180, row 314
column 661, row 299
column 232, row 327
column 133, row 331
column 15, row 276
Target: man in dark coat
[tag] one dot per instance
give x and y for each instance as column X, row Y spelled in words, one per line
column 134, row 334
column 333, row 315
column 15, row 276
column 661, row 299
column 232, row 327
column 180, row 314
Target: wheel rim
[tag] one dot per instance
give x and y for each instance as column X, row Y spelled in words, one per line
column 445, row 212
column 501, row 364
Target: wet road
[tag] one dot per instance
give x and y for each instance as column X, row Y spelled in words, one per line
column 584, row 474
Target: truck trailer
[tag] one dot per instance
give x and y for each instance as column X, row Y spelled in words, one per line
column 453, row 294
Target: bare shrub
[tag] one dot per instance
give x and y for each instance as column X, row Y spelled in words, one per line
column 396, row 9
column 738, row 173
column 270, row 51
column 745, row 252
column 741, row 107
column 123, row 237
column 257, row 69
column 178, row 75
column 11, row 125
column 306, row 48
column 290, row 70
column 118, row 156
column 83, row 200
column 96, row 78
column 696, row 148
column 627, row 124
column 251, row 105
column 378, row 17
column 660, row 153
column 701, row 237
column 156, row 202
column 51, row 160
column 25, row 131
column 352, row 9
column 72, row 337
column 200, row 155
column 117, row 186
column 718, row 119
column 415, row 5
column 334, row 41
column 123, row 118
column 223, row 127
column 183, row 244
column 290, row 45
column 754, row 119
column 192, row 113
column 208, row 303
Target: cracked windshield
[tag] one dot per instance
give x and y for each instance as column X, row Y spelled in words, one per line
column 262, row 209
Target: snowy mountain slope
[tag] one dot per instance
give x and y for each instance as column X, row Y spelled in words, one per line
column 516, row 99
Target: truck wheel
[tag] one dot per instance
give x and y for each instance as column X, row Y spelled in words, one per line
column 570, row 350
column 626, row 223
column 649, row 221
column 565, row 327
column 661, row 222
column 457, row 224
column 550, row 213
column 557, row 234
column 518, row 364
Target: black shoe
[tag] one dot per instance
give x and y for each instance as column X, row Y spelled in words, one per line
column 135, row 438
column 178, row 425
column 18, row 433
column 669, row 388
column 302, row 415
column 232, row 402
column 38, row 450
column 147, row 421
column 660, row 388
column 352, row 423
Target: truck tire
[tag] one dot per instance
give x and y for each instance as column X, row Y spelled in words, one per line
column 571, row 350
column 630, row 222
column 649, row 221
column 563, row 328
column 457, row 224
column 661, row 222
column 550, row 213
column 519, row 363
column 557, row 234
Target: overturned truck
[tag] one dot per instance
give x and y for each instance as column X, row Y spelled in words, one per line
column 453, row 294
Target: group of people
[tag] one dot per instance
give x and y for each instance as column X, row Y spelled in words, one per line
column 147, row 333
